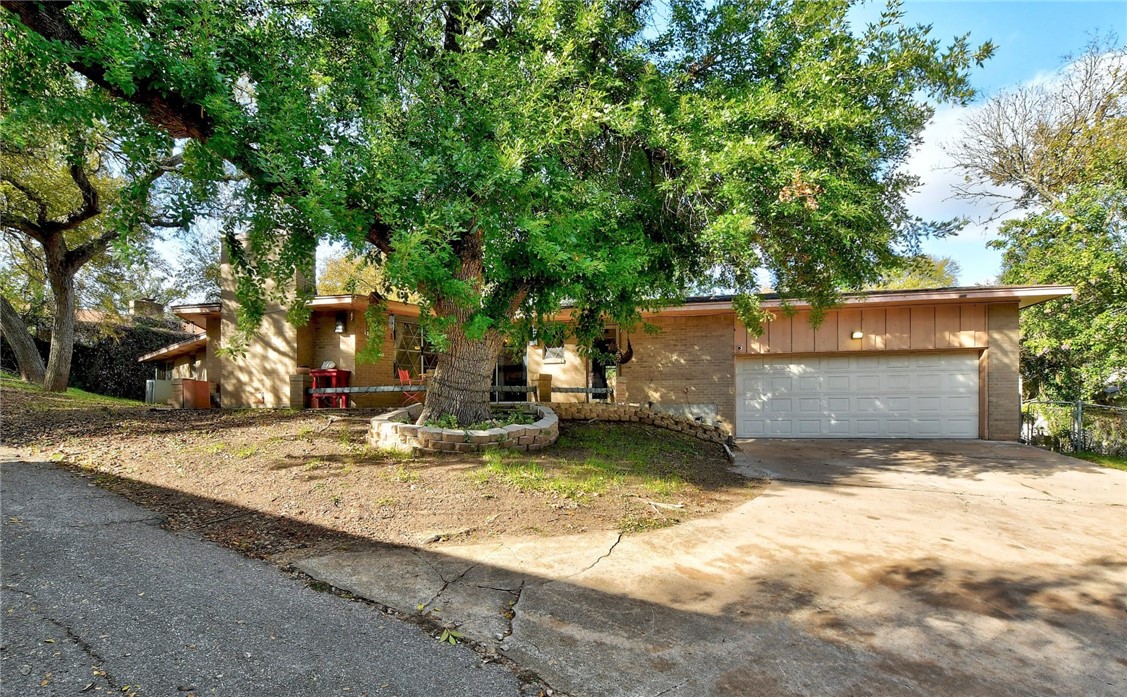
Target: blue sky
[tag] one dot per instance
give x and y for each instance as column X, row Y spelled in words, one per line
column 1032, row 39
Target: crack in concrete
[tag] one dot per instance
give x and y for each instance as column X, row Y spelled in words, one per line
column 446, row 584
column 73, row 636
column 604, row 556
column 671, row 689
column 511, row 615
column 150, row 520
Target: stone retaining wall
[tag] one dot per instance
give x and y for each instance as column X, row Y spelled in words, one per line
column 604, row 411
column 397, row 430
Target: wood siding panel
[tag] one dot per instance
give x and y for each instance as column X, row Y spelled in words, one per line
column 755, row 344
column 825, row 336
column 739, row 337
column 873, row 324
column 947, row 323
column 802, row 334
column 927, row 327
column 848, row 321
column 898, row 330
column 779, row 331
column 972, row 326
column 923, row 328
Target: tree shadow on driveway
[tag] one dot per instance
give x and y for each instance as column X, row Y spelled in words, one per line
column 637, row 615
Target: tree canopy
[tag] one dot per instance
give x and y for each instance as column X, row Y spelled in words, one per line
column 1071, row 348
column 505, row 158
column 1058, row 149
column 922, row 271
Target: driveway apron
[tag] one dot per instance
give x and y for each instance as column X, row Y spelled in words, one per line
column 866, row 568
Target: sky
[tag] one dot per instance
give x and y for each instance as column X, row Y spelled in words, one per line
column 1033, row 40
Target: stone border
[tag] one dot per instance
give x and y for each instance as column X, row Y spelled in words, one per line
column 604, row 411
column 397, row 430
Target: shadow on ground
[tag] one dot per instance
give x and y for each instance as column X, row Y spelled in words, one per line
column 627, row 616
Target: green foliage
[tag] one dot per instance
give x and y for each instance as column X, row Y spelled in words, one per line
column 80, row 398
column 1072, row 347
column 1118, row 462
column 517, row 155
column 106, row 362
column 919, row 272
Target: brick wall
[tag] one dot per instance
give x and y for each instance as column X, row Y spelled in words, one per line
column 690, row 361
column 639, row 414
column 1003, row 395
column 261, row 376
column 571, row 373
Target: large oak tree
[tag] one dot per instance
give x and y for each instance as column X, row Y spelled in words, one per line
column 503, row 158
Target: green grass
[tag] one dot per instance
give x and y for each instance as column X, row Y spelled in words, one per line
column 1118, row 462
column 399, row 474
column 588, row 460
column 13, row 382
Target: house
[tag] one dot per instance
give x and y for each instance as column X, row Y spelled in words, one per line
column 940, row 363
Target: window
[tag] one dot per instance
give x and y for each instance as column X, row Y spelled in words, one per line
column 554, row 354
column 411, row 351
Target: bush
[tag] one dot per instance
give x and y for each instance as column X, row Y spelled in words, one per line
column 105, row 356
column 107, row 364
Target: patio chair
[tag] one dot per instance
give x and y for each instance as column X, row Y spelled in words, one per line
column 410, row 398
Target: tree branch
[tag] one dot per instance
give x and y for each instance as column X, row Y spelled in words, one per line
column 162, row 108
column 91, row 202
column 40, row 204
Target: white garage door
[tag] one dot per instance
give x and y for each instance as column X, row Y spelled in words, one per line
column 928, row 395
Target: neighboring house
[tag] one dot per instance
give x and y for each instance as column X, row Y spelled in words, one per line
column 937, row 363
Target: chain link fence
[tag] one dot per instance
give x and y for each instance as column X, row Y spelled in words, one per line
column 1075, row 427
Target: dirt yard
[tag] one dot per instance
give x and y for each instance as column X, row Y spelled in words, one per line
column 266, row 482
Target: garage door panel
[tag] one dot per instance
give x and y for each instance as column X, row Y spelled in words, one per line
column 865, row 396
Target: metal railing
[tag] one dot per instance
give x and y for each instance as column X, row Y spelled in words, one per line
column 511, row 389
column 1075, row 426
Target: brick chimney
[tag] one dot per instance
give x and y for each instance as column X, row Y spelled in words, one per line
column 146, row 307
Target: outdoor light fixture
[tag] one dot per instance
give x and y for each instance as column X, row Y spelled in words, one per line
column 340, row 323
column 857, row 335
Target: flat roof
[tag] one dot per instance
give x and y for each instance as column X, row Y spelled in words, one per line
column 197, row 313
column 1025, row 296
column 180, row 348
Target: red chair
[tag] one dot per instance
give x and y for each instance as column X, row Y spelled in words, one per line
column 410, row 398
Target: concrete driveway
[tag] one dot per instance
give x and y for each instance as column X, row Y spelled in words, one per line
column 866, row 568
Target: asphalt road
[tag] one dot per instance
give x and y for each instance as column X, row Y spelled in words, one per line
column 97, row 597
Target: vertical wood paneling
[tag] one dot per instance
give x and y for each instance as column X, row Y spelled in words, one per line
column 780, row 334
column 739, row 337
column 947, row 322
column 825, row 336
column 873, row 324
column 923, row 328
column 884, row 329
column 802, row 334
column 898, row 330
column 972, row 326
column 848, row 321
column 755, row 344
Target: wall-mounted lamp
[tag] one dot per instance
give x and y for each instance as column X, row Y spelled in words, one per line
column 391, row 323
column 339, row 329
column 857, row 335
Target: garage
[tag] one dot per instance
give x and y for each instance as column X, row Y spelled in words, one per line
column 903, row 395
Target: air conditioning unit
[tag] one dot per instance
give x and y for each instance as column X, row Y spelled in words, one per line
column 158, row 391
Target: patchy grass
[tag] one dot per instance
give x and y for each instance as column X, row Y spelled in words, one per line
column 268, row 481
column 1118, row 462
column 399, row 474
column 73, row 397
column 592, row 459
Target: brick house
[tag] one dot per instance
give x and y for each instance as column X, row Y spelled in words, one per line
column 939, row 363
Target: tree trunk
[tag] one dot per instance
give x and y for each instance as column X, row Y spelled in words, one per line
column 460, row 383
column 62, row 332
column 23, row 345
